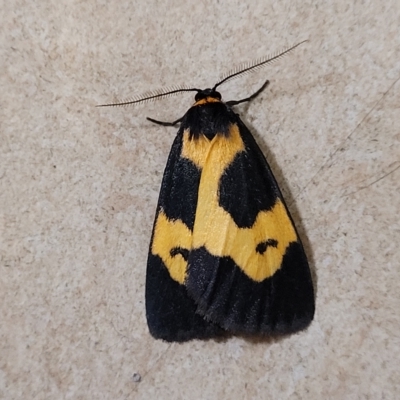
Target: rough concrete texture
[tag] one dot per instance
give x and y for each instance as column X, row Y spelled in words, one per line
column 79, row 186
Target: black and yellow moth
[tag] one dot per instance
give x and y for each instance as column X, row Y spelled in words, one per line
column 225, row 256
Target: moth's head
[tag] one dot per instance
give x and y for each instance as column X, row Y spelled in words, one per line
column 207, row 93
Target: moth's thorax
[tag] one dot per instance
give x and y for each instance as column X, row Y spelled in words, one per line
column 208, row 117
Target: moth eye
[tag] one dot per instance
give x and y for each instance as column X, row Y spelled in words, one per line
column 262, row 246
column 179, row 250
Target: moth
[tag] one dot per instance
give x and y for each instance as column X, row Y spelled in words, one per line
column 225, row 256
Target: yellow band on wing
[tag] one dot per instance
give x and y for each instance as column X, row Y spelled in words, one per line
column 214, row 228
column 169, row 235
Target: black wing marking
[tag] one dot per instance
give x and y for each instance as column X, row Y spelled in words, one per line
column 283, row 303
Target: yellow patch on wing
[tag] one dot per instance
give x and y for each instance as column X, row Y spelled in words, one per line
column 214, row 228
column 219, row 234
column 221, row 150
column 169, row 235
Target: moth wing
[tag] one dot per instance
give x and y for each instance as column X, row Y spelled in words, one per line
column 229, row 289
column 170, row 312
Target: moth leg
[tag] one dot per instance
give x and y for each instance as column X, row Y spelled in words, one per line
column 163, row 123
column 253, row 96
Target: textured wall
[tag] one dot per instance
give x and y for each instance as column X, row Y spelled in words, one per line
column 79, row 186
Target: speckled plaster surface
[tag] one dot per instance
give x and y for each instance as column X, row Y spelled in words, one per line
column 79, row 186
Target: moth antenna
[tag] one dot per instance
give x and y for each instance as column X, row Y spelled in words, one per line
column 256, row 64
column 151, row 96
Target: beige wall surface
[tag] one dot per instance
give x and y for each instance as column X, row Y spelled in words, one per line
column 79, row 187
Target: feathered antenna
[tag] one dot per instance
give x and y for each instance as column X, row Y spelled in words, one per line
column 256, row 64
column 151, row 96
column 169, row 91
